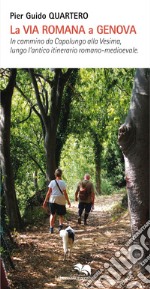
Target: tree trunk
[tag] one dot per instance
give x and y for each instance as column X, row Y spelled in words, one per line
column 51, row 119
column 50, row 145
column 62, row 131
column 52, row 123
column 134, row 142
column 98, row 179
column 7, row 171
column 35, row 180
column 97, row 160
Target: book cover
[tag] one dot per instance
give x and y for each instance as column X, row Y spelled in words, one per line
column 67, row 69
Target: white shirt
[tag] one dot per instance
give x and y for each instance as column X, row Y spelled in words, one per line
column 55, row 189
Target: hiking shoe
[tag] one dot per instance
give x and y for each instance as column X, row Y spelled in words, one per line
column 79, row 220
column 51, row 230
column 60, row 227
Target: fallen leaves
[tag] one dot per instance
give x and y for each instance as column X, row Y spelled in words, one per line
column 39, row 257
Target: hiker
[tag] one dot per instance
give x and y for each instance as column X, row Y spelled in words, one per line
column 85, row 195
column 56, row 198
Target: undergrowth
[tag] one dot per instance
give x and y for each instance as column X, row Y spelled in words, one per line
column 117, row 212
column 120, row 209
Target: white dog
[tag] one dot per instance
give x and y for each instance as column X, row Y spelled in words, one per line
column 68, row 240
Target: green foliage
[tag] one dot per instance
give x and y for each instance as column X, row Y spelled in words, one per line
column 76, row 160
column 4, row 77
column 100, row 107
column 113, row 163
column 107, row 186
column 27, row 151
column 99, row 100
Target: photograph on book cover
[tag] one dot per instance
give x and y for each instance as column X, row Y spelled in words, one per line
column 74, row 83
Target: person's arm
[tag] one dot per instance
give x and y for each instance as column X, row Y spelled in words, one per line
column 66, row 197
column 76, row 194
column 47, row 197
column 93, row 197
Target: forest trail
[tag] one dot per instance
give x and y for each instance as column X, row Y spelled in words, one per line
column 39, row 256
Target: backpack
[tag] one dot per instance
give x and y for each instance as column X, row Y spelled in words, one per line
column 83, row 195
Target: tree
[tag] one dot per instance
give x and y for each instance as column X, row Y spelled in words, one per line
column 49, row 86
column 103, row 98
column 134, row 142
column 7, row 171
column 97, row 148
column 63, row 126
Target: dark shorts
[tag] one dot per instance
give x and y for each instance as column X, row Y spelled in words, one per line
column 57, row 209
column 86, row 206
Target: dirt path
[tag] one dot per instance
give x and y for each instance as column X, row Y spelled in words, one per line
column 39, row 256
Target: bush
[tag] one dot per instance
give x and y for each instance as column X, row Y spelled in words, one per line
column 34, row 215
column 106, row 187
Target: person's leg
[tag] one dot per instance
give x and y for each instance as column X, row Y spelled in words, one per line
column 80, row 211
column 52, row 216
column 85, row 218
column 61, row 220
column 52, row 220
column 61, row 211
column 87, row 211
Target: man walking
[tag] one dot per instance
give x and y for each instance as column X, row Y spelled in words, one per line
column 85, row 195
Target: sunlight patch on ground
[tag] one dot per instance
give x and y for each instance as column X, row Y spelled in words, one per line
column 107, row 203
column 50, row 285
column 108, row 234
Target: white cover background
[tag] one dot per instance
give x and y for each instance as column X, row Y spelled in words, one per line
column 101, row 12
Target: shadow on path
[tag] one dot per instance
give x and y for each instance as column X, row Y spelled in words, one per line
column 39, row 257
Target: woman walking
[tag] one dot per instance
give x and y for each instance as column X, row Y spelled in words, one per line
column 57, row 197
